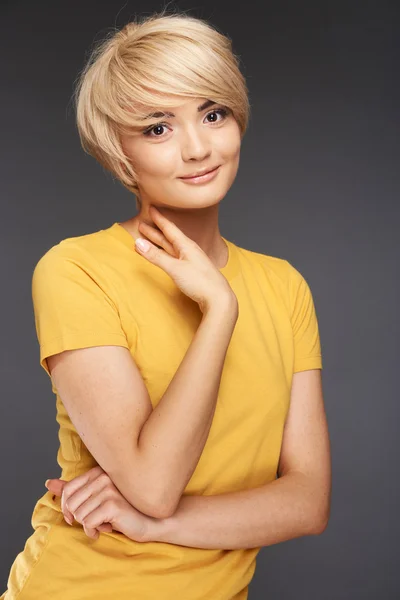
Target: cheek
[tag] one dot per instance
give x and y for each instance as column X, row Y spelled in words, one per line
column 228, row 145
column 154, row 160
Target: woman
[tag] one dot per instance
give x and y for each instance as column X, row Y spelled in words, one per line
column 174, row 368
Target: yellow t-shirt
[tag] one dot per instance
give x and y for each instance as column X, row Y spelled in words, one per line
column 96, row 290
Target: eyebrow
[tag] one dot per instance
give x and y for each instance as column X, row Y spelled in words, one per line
column 160, row 115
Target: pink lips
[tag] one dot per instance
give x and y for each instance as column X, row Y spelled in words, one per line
column 201, row 178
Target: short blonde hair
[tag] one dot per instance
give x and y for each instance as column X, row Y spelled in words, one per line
column 129, row 72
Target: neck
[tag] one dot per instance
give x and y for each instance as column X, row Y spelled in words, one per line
column 200, row 225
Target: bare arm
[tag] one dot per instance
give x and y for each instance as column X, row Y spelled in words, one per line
column 173, row 437
column 278, row 511
column 296, row 504
column 149, row 455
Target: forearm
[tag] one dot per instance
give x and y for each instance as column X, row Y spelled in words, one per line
column 284, row 509
column 173, row 437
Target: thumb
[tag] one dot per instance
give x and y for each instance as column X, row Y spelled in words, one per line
column 158, row 256
column 105, row 527
column 55, row 485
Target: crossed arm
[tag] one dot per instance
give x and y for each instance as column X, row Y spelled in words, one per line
column 294, row 505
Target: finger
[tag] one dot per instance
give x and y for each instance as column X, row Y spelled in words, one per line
column 86, row 508
column 68, row 516
column 55, row 486
column 72, row 486
column 157, row 237
column 106, row 527
column 157, row 256
column 94, row 520
column 91, row 532
column 89, row 496
column 75, row 484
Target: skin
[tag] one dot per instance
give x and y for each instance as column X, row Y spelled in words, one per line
column 185, row 144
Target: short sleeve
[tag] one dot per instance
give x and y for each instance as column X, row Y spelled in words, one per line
column 307, row 344
column 72, row 307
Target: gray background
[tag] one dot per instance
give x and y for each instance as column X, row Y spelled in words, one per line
column 318, row 184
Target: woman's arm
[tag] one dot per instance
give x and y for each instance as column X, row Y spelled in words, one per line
column 150, row 455
column 292, row 506
column 173, row 437
column 296, row 504
column 276, row 512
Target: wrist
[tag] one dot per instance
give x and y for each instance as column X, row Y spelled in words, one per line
column 158, row 530
column 227, row 311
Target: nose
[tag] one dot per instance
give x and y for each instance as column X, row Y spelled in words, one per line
column 195, row 145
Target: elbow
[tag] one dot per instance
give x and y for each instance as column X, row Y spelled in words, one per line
column 320, row 527
column 163, row 497
column 162, row 507
column 320, row 508
column 152, row 495
column 150, row 506
column 158, row 506
column 162, row 512
column 147, row 503
column 319, row 522
column 158, row 510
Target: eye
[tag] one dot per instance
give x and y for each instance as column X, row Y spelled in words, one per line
column 218, row 111
column 152, row 128
column 223, row 112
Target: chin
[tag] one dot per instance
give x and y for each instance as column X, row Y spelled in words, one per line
column 204, row 202
column 191, row 201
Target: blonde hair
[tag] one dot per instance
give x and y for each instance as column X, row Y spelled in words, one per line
column 129, row 72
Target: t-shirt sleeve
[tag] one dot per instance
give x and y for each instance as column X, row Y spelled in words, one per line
column 307, row 343
column 72, row 307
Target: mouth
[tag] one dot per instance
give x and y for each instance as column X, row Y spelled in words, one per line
column 202, row 178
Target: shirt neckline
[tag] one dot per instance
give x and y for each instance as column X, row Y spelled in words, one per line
column 229, row 271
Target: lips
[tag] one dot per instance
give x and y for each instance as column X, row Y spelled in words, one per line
column 199, row 174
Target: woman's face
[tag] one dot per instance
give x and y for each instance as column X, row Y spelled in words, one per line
column 201, row 135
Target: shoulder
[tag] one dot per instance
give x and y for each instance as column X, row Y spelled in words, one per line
column 278, row 274
column 83, row 250
column 275, row 268
column 74, row 264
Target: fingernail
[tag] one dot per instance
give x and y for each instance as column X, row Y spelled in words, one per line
column 46, row 483
column 68, row 521
column 142, row 244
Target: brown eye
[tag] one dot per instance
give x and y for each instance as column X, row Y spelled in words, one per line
column 219, row 111
column 157, row 126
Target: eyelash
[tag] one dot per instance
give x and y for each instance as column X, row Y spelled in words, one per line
column 221, row 111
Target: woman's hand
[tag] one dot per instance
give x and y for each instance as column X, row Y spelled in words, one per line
column 94, row 501
column 184, row 260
